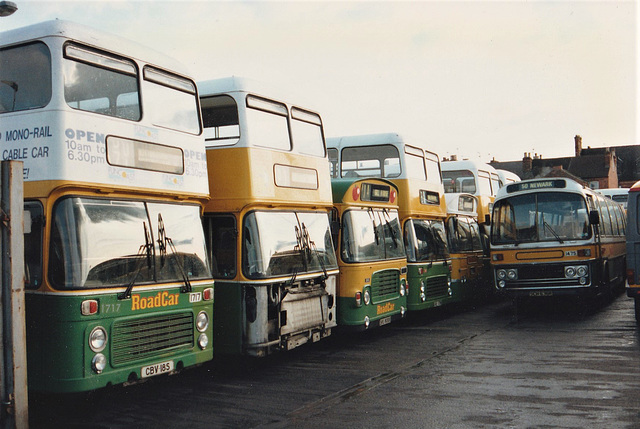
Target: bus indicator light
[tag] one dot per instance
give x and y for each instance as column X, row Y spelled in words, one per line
column 358, row 299
column 584, row 252
column 207, row 294
column 89, row 307
column 392, row 197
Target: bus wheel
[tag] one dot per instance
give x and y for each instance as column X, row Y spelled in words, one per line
column 637, row 308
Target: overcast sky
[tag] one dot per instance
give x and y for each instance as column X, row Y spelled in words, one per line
column 478, row 79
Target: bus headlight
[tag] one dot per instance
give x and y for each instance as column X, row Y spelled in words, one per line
column 512, row 274
column 203, row 341
column 366, row 321
column 367, row 297
column 202, row 321
column 98, row 339
column 99, row 363
column 569, row 272
column 502, row 283
column 402, row 290
column 582, row 271
column 422, row 288
column 501, row 274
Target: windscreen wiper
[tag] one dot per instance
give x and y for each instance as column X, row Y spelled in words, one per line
column 312, row 247
column 163, row 240
column 546, row 225
column 387, row 221
column 376, row 233
column 145, row 250
column 301, row 246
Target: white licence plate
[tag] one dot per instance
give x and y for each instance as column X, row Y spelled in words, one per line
column 385, row 321
column 158, row 368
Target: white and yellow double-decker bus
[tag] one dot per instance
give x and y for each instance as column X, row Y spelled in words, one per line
column 475, row 178
column 118, row 287
column 372, row 290
column 267, row 224
column 421, row 205
column 468, row 249
column 555, row 237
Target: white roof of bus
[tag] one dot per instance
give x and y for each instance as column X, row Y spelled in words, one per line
column 371, row 140
column 613, row 191
column 466, row 165
column 364, row 140
column 231, row 84
column 92, row 37
column 507, row 175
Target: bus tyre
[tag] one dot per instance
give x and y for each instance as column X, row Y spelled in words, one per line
column 637, row 310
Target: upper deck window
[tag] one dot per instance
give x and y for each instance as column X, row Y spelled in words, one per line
column 101, row 83
column 171, row 101
column 220, row 119
column 459, row 181
column 306, row 128
column 25, row 77
column 370, row 161
column 268, row 123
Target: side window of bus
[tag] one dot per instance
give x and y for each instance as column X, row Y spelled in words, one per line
column 484, row 183
column 220, row 120
column 221, row 238
column 615, row 209
column 416, row 167
column 605, row 220
column 434, row 174
column 101, row 83
column 268, row 123
column 306, row 129
column 25, row 77
column 33, row 226
column 495, row 183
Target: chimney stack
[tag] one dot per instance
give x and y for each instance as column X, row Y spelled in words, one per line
column 578, row 141
column 527, row 163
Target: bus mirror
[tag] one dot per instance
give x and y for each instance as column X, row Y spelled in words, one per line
column 594, row 218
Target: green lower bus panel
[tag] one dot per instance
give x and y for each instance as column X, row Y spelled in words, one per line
column 149, row 334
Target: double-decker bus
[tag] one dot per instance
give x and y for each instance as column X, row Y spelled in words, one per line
column 118, row 287
column 422, row 208
column 267, row 223
column 555, row 237
column 468, row 249
column 475, row 178
column 505, row 177
column 372, row 289
column 633, row 247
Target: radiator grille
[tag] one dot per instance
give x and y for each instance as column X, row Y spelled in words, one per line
column 137, row 339
column 385, row 285
column 437, row 287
